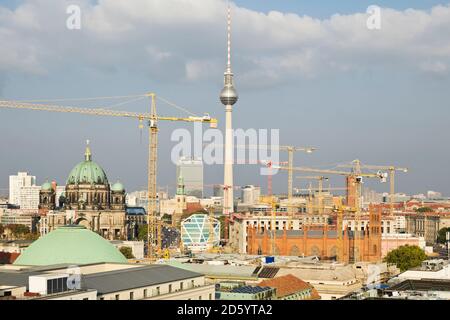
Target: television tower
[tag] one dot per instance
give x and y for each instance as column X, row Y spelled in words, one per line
column 228, row 97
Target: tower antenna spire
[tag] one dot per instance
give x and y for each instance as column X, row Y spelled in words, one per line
column 228, row 97
column 229, row 37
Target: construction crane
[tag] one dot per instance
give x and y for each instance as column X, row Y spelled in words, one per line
column 357, row 176
column 269, row 164
column 154, row 246
column 211, row 231
column 320, row 180
column 290, row 150
column 353, row 191
column 391, row 170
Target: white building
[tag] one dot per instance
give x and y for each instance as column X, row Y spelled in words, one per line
column 29, row 197
column 22, row 179
column 251, row 194
column 104, row 281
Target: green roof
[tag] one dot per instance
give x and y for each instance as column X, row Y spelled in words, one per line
column 47, row 186
column 87, row 172
column 70, row 245
column 118, row 187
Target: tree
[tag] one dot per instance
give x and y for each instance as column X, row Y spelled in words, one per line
column 127, row 252
column 18, row 229
column 424, row 209
column 142, row 232
column 222, row 220
column 442, row 235
column 406, row 257
column 167, row 218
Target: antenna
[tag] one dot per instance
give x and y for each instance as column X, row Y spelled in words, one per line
column 229, row 37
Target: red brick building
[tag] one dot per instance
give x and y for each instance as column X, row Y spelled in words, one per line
column 323, row 241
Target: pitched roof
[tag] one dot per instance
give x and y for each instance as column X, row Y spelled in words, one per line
column 286, row 285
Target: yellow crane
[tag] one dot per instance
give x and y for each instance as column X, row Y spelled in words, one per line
column 391, row 170
column 320, row 180
column 356, row 176
column 154, row 245
column 290, row 150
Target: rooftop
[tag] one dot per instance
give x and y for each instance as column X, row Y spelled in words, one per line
column 70, row 244
column 286, row 285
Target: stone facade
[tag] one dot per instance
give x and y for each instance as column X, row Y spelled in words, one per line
column 88, row 200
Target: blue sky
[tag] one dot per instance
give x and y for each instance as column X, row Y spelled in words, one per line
column 380, row 97
column 326, row 8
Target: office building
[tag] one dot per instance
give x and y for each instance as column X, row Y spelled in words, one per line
column 199, row 232
column 191, row 170
column 23, row 191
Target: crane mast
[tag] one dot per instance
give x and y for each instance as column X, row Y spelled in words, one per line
column 154, row 229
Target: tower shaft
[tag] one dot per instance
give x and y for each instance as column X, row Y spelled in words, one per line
column 228, row 97
column 228, row 165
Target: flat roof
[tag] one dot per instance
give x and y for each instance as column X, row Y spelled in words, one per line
column 106, row 281
column 421, row 285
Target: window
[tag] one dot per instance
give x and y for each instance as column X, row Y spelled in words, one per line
column 181, row 285
column 117, row 296
column 199, row 297
column 131, row 295
column 158, row 291
column 170, row 288
column 145, row 293
column 192, row 283
column 210, row 296
column 56, row 285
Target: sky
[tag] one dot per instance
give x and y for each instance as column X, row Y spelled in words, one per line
column 311, row 69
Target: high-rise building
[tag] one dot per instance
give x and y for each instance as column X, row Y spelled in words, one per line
column 228, row 97
column 29, row 197
column 191, row 170
column 22, row 179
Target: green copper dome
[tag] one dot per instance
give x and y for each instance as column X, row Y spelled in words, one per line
column 118, row 187
column 72, row 244
column 87, row 172
column 47, row 186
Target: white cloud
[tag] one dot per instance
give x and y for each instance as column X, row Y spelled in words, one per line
column 185, row 40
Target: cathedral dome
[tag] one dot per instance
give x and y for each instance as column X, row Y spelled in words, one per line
column 87, row 172
column 118, row 187
column 71, row 244
column 47, row 186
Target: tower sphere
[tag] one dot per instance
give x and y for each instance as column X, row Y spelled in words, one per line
column 229, row 96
